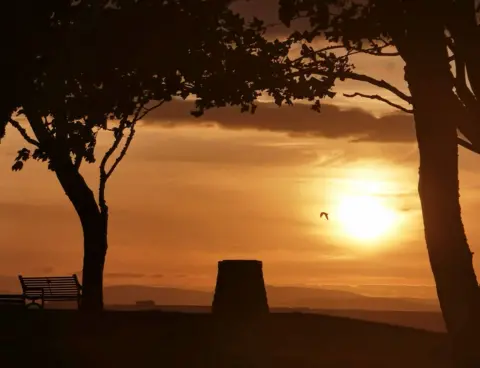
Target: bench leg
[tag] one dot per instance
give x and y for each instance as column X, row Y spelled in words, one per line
column 34, row 304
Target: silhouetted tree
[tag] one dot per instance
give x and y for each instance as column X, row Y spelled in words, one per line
column 76, row 69
column 432, row 37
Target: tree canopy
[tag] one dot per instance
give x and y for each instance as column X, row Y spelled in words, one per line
column 383, row 28
column 77, row 68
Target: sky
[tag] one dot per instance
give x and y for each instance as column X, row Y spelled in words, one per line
column 191, row 192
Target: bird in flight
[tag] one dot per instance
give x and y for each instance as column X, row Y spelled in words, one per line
column 324, row 214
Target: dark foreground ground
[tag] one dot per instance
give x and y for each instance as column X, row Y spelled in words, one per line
column 168, row 339
column 424, row 320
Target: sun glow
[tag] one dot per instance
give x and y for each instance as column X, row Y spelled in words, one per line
column 365, row 217
column 365, row 204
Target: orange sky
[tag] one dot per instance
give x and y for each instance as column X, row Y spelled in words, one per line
column 188, row 196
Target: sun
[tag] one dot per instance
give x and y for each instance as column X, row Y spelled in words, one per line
column 365, row 217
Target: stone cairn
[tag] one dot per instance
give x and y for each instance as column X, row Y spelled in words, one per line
column 240, row 289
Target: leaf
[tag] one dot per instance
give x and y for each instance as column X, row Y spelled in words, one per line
column 316, row 106
column 40, row 155
column 17, row 166
column 3, row 128
column 197, row 113
column 23, row 155
column 287, row 11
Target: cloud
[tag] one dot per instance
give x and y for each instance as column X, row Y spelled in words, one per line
column 299, row 120
column 240, row 152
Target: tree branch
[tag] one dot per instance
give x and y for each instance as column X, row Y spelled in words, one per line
column 124, row 150
column 102, row 203
column 374, row 50
column 461, row 142
column 371, row 52
column 78, row 161
column 465, row 94
column 465, row 32
column 467, row 145
column 105, row 174
column 380, row 98
column 358, row 77
column 23, row 132
column 376, row 82
column 108, row 154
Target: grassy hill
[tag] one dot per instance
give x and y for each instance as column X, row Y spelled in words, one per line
column 166, row 339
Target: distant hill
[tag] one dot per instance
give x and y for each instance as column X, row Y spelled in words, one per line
column 129, row 294
column 316, row 298
column 278, row 296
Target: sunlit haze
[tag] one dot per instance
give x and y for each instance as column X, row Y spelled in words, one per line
column 230, row 185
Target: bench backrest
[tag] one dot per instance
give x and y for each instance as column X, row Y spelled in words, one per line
column 52, row 288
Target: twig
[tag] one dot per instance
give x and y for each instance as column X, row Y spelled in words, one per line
column 371, row 52
column 379, row 98
column 321, row 51
column 146, row 111
column 23, row 132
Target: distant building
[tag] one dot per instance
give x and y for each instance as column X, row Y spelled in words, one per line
column 145, row 304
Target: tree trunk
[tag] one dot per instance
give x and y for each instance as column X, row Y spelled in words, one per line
column 95, row 249
column 94, row 235
column 94, row 222
column 449, row 253
column 448, row 249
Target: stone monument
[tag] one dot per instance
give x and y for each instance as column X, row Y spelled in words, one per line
column 240, row 289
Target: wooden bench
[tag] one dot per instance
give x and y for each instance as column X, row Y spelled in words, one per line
column 11, row 301
column 51, row 289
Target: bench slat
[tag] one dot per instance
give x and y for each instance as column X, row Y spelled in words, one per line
column 50, row 284
column 47, row 278
column 50, row 288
